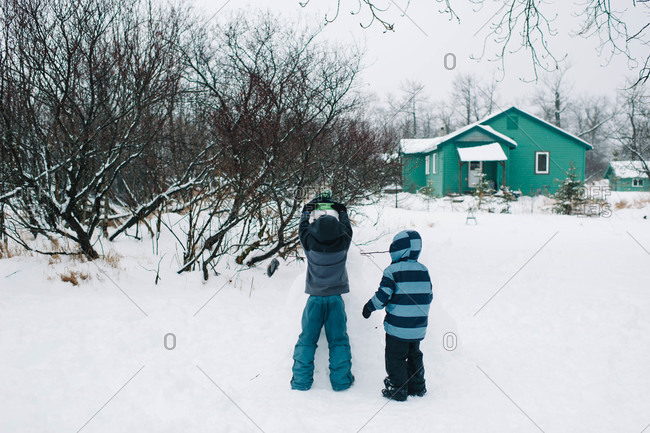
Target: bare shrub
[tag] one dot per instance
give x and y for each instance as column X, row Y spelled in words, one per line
column 112, row 259
column 623, row 204
column 73, row 277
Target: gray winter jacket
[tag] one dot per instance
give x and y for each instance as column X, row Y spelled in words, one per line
column 326, row 242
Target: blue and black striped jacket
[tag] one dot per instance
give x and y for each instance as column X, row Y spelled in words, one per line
column 405, row 289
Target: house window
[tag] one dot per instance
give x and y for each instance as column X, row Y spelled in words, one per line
column 427, row 165
column 433, row 163
column 513, row 122
column 541, row 162
column 637, row 182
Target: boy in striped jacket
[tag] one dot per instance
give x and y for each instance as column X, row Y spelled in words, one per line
column 406, row 293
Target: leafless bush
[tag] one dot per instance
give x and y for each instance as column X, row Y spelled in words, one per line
column 114, row 112
column 85, row 86
column 282, row 116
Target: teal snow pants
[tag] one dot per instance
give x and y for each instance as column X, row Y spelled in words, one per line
column 330, row 312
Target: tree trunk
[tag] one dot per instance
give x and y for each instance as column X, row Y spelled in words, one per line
column 142, row 213
column 83, row 238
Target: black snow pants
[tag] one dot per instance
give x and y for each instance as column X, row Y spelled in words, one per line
column 404, row 364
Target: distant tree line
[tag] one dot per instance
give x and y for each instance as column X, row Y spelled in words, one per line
column 114, row 112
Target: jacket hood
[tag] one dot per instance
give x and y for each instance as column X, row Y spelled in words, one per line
column 326, row 229
column 406, row 245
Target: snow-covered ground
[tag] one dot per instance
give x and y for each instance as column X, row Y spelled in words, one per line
column 540, row 323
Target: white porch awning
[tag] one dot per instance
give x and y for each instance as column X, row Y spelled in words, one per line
column 485, row 152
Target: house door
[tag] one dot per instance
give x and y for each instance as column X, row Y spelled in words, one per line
column 475, row 169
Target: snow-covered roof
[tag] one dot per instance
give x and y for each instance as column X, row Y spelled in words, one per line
column 628, row 169
column 485, row 152
column 419, row 145
column 426, row 145
column 498, row 134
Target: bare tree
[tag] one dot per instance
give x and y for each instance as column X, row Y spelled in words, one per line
column 85, row 85
column 593, row 118
column 473, row 99
column 409, row 107
column 553, row 97
column 120, row 111
column 616, row 37
column 465, row 93
column 273, row 97
column 445, row 115
column 528, row 25
column 377, row 13
column 632, row 130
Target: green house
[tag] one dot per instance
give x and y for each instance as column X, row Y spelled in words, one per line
column 627, row 176
column 511, row 148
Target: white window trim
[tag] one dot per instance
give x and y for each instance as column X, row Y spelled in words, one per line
column 638, row 182
column 548, row 163
column 433, row 163
column 427, row 165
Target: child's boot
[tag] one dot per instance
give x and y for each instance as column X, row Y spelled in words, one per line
column 417, row 387
column 417, row 392
column 416, row 383
column 393, row 392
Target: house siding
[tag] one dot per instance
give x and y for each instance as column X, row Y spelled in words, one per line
column 450, row 178
column 413, row 177
column 436, row 180
column 625, row 184
column 532, row 136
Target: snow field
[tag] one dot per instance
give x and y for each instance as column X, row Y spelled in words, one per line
column 562, row 347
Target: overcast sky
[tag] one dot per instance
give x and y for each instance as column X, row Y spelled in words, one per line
column 422, row 38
